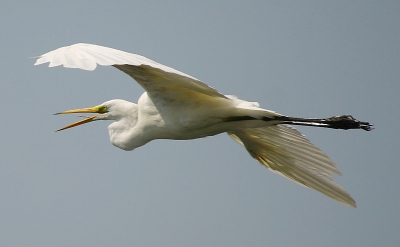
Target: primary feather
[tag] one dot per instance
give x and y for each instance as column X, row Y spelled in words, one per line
column 284, row 150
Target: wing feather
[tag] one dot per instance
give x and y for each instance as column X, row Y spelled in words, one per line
column 285, row 151
column 152, row 76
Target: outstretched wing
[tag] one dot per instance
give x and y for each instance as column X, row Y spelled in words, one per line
column 286, row 151
column 155, row 78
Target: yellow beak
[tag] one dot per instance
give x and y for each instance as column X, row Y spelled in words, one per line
column 97, row 109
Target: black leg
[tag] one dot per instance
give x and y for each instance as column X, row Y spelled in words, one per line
column 337, row 122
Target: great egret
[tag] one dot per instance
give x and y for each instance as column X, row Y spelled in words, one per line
column 180, row 107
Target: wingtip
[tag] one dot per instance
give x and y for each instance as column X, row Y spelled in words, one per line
column 351, row 203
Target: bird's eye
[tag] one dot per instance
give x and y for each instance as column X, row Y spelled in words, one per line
column 103, row 109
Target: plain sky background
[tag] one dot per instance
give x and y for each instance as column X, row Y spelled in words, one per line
column 300, row 58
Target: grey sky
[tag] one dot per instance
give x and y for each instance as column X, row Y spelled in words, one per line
column 300, row 58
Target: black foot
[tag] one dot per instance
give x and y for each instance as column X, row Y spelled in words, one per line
column 347, row 122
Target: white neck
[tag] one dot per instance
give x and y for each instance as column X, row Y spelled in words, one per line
column 125, row 115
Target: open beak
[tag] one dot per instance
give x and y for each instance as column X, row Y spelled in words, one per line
column 96, row 109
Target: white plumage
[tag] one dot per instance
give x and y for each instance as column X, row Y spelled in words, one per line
column 179, row 106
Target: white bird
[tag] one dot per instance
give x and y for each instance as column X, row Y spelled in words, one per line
column 180, row 107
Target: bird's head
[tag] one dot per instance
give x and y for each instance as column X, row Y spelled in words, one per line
column 110, row 110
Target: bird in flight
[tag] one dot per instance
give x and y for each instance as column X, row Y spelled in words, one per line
column 178, row 106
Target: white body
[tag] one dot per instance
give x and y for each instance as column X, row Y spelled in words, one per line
column 150, row 120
